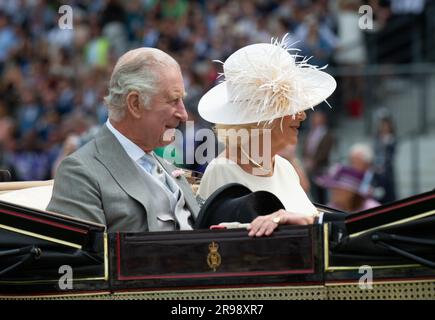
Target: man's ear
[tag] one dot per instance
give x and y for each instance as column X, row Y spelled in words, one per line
column 133, row 104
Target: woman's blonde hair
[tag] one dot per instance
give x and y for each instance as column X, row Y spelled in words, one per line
column 225, row 132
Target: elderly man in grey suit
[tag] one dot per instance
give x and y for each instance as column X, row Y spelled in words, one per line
column 116, row 179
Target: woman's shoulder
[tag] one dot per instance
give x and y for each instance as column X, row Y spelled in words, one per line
column 219, row 171
column 284, row 164
column 220, row 163
column 281, row 160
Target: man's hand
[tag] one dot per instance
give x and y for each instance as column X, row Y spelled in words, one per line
column 264, row 225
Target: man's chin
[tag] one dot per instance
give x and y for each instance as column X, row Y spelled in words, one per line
column 166, row 142
column 168, row 136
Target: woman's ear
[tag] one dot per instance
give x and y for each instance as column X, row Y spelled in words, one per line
column 301, row 116
column 133, row 104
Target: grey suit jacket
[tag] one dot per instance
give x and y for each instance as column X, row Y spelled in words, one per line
column 100, row 183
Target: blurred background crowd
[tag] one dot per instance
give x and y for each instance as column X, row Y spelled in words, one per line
column 53, row 80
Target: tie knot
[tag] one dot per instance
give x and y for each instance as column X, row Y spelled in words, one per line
column 148, row 162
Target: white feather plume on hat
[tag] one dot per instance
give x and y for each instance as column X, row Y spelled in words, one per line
column 264, row 82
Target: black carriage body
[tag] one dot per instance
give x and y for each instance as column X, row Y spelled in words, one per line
column 396, row 240
column 210, row 258
column 119, row 262
column 48, row 253
column 34, row 245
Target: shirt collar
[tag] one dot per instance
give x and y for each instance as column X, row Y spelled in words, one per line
column 133, row 151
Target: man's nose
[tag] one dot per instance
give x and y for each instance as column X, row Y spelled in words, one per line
column 181, row 112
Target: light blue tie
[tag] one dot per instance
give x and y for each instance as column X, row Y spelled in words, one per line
column 150, row 165
column 148, row 162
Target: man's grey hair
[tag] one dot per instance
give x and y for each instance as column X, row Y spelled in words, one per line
column 363, row 150
column 137, row 70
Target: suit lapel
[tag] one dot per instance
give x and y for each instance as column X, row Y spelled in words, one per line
column 113, row 156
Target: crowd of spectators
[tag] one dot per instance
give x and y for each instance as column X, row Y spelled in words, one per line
column 53, row 80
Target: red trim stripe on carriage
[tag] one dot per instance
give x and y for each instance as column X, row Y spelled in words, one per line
column 390, row 208
column 55, row 224
column 220, row 286
column 204, row 275
column 382, row 280
column 210, row 275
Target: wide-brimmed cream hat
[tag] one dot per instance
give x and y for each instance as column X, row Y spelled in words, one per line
column 264, row 81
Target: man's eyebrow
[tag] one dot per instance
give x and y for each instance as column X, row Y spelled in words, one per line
column 173, row 95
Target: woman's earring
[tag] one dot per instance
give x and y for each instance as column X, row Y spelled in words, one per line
column 301, row 116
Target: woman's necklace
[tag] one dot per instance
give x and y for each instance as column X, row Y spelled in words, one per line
column 254, row 162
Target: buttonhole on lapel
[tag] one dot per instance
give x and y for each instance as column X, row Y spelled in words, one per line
column 177, row 173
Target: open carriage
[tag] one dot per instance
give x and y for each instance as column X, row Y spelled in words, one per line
column 386, row 252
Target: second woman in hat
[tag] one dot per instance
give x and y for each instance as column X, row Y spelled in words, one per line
column 257, row 111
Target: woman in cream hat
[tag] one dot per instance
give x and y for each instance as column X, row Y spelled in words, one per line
column 257, row 111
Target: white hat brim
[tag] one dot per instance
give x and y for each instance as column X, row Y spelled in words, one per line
column 215, row 106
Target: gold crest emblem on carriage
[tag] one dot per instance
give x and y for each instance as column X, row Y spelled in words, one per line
column 213, row 257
